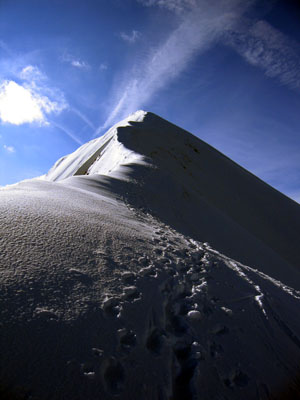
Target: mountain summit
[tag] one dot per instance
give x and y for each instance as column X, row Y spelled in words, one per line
column 192, row 187
column 148, row 265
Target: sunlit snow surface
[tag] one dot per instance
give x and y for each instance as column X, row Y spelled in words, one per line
column 107, row 291
column 85, row 160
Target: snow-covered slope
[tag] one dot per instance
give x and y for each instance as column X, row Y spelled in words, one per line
column 212, row 198
column 109, row 289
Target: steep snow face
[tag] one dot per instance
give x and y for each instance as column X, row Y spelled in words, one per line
column 99, row 156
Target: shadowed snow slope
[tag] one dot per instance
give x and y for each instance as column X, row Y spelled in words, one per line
column 109, row 289
column 193, row 188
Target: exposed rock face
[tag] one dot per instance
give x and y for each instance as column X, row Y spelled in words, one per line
column 109, row 288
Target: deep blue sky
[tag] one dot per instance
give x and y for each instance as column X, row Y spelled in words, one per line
column 225, row 70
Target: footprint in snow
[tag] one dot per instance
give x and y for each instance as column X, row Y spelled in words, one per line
column 148, row 271
column 143, row 260
column 128, row 277
column 216, row 350
column 128, row 249
column 80, row 276
column 97, row 352
column 194, row 315
column 228, row 311
column 155, row 240
column 46, row 314
column 237, row 378
column 111, row 306
column 220, row 329
column 194, row 276
column 131, row 293
column 127, row 339
column 114, row 376
column 88, row 370
column 155, row 341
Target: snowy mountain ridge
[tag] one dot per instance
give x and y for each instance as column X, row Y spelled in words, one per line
column 103, row 155
column 110, row 289
column 160, row 161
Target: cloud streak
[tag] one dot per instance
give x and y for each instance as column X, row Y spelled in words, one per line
column 130, row 37
column 177, row 6
column 103, row 67
column 32, row 73
column 9, row 149
column 75, row 62
column 83, row 117
column 4, row 47
column 80, row 64
column 197, row 31
column 265, row 47
column 67, row 131
column 202, row 23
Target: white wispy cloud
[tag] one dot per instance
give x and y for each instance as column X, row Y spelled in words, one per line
column 67, row 131
column 103, row 67
column 75, row 61
column 2, row 44
column 32, row 73
column 83, row 117
column 4, row 47
column 264, row 46
column 131, row 37
column 9, row 149
column 177, row 6
column 197, row 31
column 201, row 24
column 80, row 64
